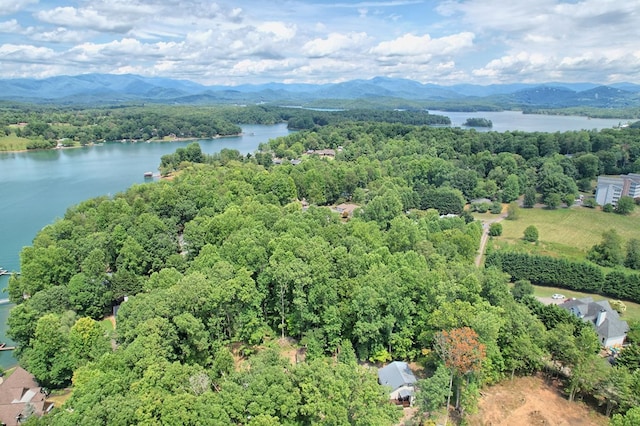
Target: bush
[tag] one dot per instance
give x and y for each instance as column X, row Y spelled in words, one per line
column 531, row 234
column 618, row 305
column 607, row 208
column 480, row 207
column 513, row 211
column 529, row 198
column 521, row 289
column 584, row 185
column 625, row 205
column 589, row 202
column 496, row 207
column 495, row 229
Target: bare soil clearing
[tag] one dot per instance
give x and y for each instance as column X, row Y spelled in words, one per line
column 531, row 401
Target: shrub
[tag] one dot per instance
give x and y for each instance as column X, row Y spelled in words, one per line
column 625, row 205
column 618, row 305
column 513, row 211
column 480, row 207
column 531, row 234
column 495, row 229
column 529, row 198
column 521, row 289
column 607, row 208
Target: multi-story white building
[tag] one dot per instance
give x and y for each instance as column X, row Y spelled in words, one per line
column 611, row 188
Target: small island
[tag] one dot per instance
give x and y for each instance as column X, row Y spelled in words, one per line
column 478, row 122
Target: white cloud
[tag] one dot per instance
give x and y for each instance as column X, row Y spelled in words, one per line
column 481, row 41
column 334, row 43
column 85, row 18
column 412, row 48
column 277, row 31
column 60, row 35
column 8, row 7
column 26, row 53
column 10, row 26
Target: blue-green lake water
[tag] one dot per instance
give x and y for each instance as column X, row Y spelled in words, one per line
column 38, row 187
column 515, row 120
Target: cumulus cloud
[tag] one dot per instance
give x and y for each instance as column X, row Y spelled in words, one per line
column 334, row 43
column 10, row 26
column 412, row 48
column 523, row 64
column 26, row 53
column 84, row 18
column 447, row 41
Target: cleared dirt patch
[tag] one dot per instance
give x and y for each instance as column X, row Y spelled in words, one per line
column 531, row 401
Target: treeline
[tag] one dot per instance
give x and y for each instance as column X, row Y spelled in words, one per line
column 114, row 124
column 498, row 166
column 308, row 119
column 572, row 275
column 46, row 127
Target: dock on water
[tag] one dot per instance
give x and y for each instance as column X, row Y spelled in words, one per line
column 4, row 347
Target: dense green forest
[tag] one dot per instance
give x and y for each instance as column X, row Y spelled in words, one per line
column 46, row 127
column 223, row 261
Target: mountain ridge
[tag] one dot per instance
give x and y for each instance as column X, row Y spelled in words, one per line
column 109, row 88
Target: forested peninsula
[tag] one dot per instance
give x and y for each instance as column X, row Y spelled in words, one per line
column 25, row 127
column 216, row 270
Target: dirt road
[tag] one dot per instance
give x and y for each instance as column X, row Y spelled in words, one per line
column 485, row 236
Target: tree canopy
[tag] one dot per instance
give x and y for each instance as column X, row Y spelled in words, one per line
column 225, row 260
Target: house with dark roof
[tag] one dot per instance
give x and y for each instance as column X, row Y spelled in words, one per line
column 20, row 398
column 399, row 377
column 610, row 328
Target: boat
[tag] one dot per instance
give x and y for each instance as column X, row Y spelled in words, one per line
column 148, row 174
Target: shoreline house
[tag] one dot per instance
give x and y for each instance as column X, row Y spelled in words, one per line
column 399, row 377
column 611, row 188
column 610, row 328
column 21, row 397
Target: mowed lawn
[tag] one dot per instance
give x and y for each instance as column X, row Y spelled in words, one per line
column 568, row 232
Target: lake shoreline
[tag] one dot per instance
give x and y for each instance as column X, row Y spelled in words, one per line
column 93, row 144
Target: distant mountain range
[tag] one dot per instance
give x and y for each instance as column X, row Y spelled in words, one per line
column 109, row 89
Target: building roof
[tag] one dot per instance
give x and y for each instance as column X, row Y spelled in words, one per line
column 346, row 207
column 588, row 310
column 396, row 375
column 20, row 395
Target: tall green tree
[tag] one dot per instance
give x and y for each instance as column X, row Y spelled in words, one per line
column 609, row 252
column 632, row 259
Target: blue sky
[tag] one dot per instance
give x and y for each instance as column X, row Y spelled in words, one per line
column 320, row 41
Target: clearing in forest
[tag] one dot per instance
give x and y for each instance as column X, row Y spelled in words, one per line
column 531, row 401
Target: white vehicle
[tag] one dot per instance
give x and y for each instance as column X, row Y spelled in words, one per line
column 557, row 296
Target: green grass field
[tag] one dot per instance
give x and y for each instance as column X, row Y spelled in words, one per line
column 567, row 232
column 631, row 314
column 13, row 143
